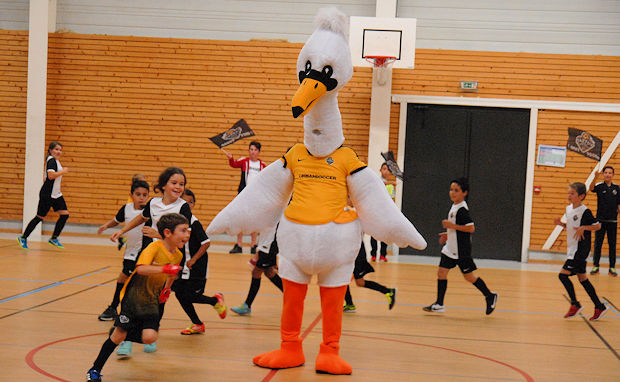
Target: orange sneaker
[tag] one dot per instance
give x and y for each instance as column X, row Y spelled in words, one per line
column 194, row 329
column 220, row 307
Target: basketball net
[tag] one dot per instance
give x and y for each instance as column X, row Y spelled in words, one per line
column 383, row 65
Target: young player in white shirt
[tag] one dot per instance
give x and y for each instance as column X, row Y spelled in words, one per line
column 579, row 224
column 457, row 249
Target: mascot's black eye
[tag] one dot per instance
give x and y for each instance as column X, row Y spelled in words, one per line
column 328, row 71
column 308, row 67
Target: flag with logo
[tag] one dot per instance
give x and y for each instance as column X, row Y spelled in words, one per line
column 584, row 143
column 238, row 131
column 392, row 165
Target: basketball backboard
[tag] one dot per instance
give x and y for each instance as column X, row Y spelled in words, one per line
column 379, row 36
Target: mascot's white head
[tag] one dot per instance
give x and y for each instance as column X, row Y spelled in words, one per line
column 324, row 66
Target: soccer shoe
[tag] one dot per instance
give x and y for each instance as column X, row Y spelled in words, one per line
column 93, row 375
column 236, row 249
column 193, row 329
column 391, row 297
column 108, row 314
column 598, row 313
column 243, row 309
column 253, row 249
column 612, row 272
column 121, row 241
column 150, row 348
column 55, row 243
column 124, row 348
column 434, row 307
column 594, row 270
column 491, row 302
column 23, row 242
column 219, row 306
column 383, row 258
column 349, row 308
column 573, row 311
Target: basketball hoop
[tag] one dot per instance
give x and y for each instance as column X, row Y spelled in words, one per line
column 380, row 61
column 382, row 64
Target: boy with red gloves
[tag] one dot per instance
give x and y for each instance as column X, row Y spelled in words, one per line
column 146, row 290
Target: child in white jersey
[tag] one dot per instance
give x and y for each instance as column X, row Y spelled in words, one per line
column 171, row 184
column 457, row 249
column 50, row 196
column 139, row 196
column 579, row 224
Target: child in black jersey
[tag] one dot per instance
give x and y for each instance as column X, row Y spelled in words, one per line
column 457, row 249
column 265, row 262
column 50, row 196
column 362, row 268
column 139, row 196
column 190, row 286
column 579, row 224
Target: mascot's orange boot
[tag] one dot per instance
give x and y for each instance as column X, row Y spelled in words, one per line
column 291, row 353
column 328, row 361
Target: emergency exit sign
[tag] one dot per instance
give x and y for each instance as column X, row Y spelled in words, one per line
column 469, row 85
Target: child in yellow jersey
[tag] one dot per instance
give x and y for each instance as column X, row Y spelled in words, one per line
column 146, row 289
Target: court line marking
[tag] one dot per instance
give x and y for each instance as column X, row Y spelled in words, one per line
column 595, row 331
column 54, row 300
column 53, row 284
column 611, row 303
column 32, row 364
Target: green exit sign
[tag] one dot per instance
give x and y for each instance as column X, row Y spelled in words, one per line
column 469, row 85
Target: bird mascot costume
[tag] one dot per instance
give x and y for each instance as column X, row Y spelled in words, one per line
column 316, row 236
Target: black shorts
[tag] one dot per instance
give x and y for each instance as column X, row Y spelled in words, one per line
column 575, row 266
column 466, row 264
column 138, row 323
column 129, row 266
column 268, row 260
column 189, row 286
column 362, row 266
column 46, row 202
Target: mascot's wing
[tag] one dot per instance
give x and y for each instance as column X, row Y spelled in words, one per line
column 379, row 215
column 259, row 205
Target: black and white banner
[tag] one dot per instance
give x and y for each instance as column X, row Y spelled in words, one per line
column 238, row 131
column 392, row 165
column 584, row 143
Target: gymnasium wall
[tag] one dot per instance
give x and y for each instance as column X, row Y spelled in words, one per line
column 535, row 77
column 13, row 82
column 123, row 105
column 566, row 26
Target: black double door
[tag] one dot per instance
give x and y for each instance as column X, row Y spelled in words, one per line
column 488, row 146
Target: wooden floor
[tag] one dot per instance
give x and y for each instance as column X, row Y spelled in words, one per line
column 50, row 299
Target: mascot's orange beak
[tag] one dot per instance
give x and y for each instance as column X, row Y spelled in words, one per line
column 306, row 96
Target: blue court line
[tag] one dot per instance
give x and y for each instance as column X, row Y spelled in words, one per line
column 54, row 284
column 30, row 292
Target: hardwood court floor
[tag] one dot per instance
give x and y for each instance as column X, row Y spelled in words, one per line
column 50, row 299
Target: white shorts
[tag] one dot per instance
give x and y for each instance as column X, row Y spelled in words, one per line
column 327, row 250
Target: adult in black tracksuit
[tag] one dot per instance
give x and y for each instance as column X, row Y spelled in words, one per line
column 608, row 204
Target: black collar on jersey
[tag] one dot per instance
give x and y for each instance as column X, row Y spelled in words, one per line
column 324, row 76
